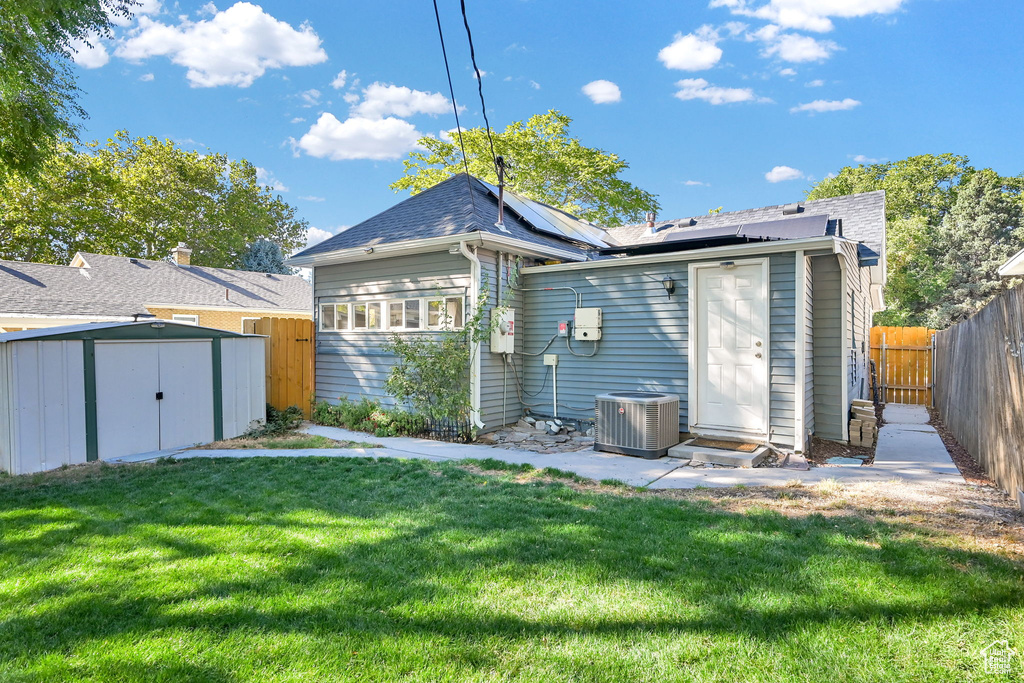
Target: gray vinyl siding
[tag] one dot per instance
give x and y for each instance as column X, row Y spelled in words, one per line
column 645, row 336
column 808, row 347
column 499, row 400
column 354, row 364
column 782, row 361
column 858, row 316
column 644, row 344
column 828, row 352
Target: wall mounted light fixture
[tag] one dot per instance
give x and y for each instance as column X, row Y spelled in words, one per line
column 670, row 286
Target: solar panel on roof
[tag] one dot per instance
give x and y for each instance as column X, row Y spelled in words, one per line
column 552, row 221
column 787, row 228
column 703, row 234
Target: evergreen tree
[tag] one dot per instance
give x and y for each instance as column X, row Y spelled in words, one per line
column 263, row 256
column 979, row 234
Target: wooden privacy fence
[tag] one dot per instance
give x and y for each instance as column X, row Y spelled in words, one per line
column 289, row 360
column 903, row 359
column 979, row 378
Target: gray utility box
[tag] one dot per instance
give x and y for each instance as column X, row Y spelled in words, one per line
column 642, row 423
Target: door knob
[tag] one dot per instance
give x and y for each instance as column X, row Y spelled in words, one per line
column 757, row 343
column 757, row 355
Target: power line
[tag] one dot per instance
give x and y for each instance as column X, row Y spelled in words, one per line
column 455, row 106
column 479, row 84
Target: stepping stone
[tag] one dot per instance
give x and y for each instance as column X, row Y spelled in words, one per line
column 845, row 462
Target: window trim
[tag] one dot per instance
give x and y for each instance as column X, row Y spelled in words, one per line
column 385, row 304
column 186, row 318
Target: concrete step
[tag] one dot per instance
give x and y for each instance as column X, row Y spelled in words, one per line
column 717, row 456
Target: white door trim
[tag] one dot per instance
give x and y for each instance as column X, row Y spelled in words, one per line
column 692, row 391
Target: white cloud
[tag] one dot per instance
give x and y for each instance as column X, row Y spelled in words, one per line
column 795, row 48
column 234, row 47
column 483, row 74
column 339, row 81
column 359, row 138
column 700, row 89
column 312, row 198
column 351, row 97
column 297, row 119
column 693, row 52
column 380, row 100
column 782, row 173
column 317, row 235
column 692, row 183
column 311, row 97
column 265, row 177
column 816, row 83
column 142, row 7
column 146, row 77
column 808, row 15
column 602, row 92
column 861, row 159
column 91, row 54
column 787, row 72
column 818, row 106
column 535, row 85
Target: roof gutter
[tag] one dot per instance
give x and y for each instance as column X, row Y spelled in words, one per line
column 830, row 244
column 411, row 247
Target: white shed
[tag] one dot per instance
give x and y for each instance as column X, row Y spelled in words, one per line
column 80, row 393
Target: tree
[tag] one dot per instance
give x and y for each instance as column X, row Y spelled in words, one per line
column 264, row 256
column 544, row 163
column 37, row 86
column 923, row 246
column 981, row 231
column 137, row 197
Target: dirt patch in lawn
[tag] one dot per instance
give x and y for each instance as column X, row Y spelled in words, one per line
column 285, row 441
column 823, row 449
column 966, row 463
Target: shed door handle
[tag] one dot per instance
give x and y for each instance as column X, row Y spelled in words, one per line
column 757, row 355
column 159, row 395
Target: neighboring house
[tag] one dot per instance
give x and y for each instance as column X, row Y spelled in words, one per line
column 758, row 320
column 100, row 288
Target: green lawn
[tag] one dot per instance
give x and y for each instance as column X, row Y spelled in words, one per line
column 324, row 569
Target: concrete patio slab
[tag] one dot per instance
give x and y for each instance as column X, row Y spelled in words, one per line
column 897, row 413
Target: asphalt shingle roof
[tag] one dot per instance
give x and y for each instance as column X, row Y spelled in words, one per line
column 863, row 217
column 114, row 286
column 452, row 207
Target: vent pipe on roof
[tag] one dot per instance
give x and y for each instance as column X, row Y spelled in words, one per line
column 499, row 162
column 651, row 216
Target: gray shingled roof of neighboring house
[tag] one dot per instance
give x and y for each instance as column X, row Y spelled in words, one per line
column 863, row 217
column 452, row 207
column 114, row 286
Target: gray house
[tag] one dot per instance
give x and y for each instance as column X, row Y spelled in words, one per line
column 758, row 320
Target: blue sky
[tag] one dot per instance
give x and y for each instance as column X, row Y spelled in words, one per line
column 733, row 103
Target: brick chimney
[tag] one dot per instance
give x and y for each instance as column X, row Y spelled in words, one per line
column 182, row 255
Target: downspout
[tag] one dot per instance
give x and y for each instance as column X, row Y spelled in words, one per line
column 474, row 372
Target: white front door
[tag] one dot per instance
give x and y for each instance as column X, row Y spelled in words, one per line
column 731, row 364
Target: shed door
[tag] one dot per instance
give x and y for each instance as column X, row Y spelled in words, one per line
column 732, row 348
column 130, row 418
column 127, row 417
column 186, row 381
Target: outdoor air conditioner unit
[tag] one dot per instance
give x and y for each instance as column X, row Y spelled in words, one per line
column 640, row 423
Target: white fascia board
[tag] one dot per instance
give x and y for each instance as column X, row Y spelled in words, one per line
column 1014, row 266
column 738, row 250
column 35, row 317
column 409, row 247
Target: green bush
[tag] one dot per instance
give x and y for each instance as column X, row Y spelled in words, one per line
column 278, row 422
column 367, row 415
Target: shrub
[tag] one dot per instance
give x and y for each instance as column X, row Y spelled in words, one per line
column 366, row 415
column 278, row 422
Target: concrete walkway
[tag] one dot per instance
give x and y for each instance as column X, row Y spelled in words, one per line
column 909, row 449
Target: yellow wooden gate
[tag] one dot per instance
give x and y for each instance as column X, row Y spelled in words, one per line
column 289, row 360
column 903, row 359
